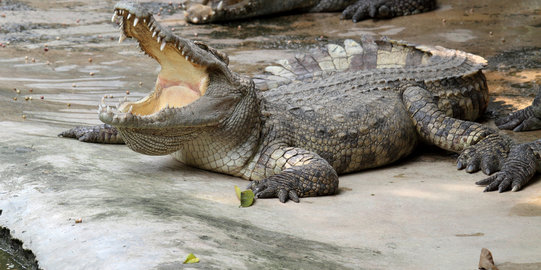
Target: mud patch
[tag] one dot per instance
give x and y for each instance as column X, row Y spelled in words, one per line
column 469, row 234
column 12, row 5
column 20, row 256
column 529, row 209
column 519, row 266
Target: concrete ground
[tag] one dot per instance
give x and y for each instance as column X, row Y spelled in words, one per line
column 143, row 212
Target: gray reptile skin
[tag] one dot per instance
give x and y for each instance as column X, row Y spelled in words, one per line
column 336, row 110
column 228, row 10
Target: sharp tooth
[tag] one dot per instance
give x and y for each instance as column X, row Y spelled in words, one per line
column 195, row 20
column 130, row 109
column 183, row 53
column 113, row 19
column 159, row 39
column 125, row 99
column 109, row 109
column 154, row 34
column 144, row 20
column 135, row 21
column 122, row 37
column 220, row 5
column 162, row 46
column 187, row 58
column 129, row 16
column 121, row 12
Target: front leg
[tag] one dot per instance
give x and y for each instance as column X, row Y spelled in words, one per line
column 94, row 134
column 364, row 9
column 301, row 174
column 526, row 119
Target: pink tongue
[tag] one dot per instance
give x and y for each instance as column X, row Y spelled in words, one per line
column 165, row 83
column 178, row 96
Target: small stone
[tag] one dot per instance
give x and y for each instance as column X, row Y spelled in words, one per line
column 46, row 49
column 503, row 40
column 42, row 97
column 24, row 116
column 195, row 34
column 33, row 60
column 26, row 58
column 100, row 36
column 140, row 83
column 443, row 20
column 74, row 85
column 91, row 73
column 57, row 38
column 78, row 20
column 89, row 60
column 127, row 92
column 17, row 91
column 239, row 27
column 30, row 90
column 79, row 220
column 172, row 28
column 3, row 15
column 69, row 104
column 15, row 98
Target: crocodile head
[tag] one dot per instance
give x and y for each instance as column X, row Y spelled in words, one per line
column 195, row 90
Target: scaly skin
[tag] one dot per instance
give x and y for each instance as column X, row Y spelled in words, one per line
column 228, row 10
column 338, row 110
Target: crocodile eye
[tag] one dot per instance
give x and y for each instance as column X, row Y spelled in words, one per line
column 222, row 56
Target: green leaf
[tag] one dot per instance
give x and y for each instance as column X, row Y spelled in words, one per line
column 246, row 198
column 237, row 190
column 191, row 259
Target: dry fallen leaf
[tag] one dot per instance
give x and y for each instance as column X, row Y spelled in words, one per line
column 246, row 198
column 191, row 259
column 486, row 262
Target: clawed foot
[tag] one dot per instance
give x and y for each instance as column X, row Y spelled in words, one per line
column 517, row 170
column 526, row 119
column 273, row 187
column 521, row 120
column 198, row 13
column 488, row 155
column 366, row 9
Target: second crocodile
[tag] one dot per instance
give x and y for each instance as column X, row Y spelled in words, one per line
column 356, row 10
column 337, row 110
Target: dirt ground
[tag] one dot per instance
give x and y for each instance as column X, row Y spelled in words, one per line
column 58, row 58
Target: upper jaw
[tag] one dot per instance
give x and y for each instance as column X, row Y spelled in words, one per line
column 184, row 71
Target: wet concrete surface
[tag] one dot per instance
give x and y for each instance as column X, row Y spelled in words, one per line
column 141, row 212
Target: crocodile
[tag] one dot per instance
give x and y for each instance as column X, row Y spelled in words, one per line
column 356, row 10
column 294, row 129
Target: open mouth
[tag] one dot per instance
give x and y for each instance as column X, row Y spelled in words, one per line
column 182, row 79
